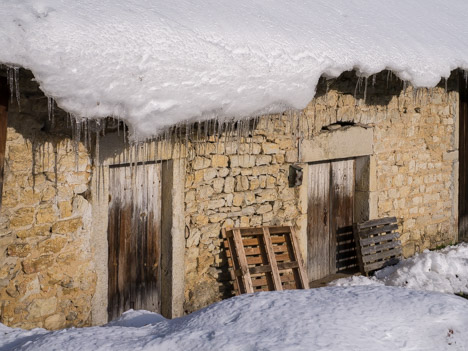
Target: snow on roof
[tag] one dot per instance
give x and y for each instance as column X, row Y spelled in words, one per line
column 157, row 63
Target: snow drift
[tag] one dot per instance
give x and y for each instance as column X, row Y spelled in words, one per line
column 357, row 318
column 158, row 63
column 444, row 270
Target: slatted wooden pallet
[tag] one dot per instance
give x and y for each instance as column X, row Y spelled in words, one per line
column 378, row 244
column 264, row 259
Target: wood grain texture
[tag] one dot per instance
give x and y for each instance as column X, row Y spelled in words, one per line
column 134, row 237
column 272, row 260
column 4, row 95
column 342, row 207
column 463, row 160
column 318, row 221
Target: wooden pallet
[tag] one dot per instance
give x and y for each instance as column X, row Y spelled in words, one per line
column 377, row 244
column 264, row 259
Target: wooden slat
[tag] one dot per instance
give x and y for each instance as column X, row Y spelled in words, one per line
column 4, row 94
column 234, row 260
column 378, row 230
column 271, row 257
column 376, row 222
column 318, row 221
column 379, row 239
column 378, row 265
column 242, row 261
column 463, row 158
column 369, row 250
column 342, row 205
column 297, row 253
column 383, row 255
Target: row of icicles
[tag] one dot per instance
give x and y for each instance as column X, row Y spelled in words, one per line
column 224, row 133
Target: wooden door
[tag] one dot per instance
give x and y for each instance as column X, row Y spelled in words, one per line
column 134, row 235
column 463, row 160
column 330, row 218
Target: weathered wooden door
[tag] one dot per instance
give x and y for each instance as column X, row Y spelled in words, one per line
column 330, row 218
column 463, row 162
column 134, row 235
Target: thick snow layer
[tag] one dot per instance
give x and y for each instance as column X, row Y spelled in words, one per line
column 445, row 270
column 356, row 318
column 157, row 63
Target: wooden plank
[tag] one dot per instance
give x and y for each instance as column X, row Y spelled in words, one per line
column 271, row 257
column 304, row 281
column 267, row 268
column 341, row 205
column 382, row 255
column 239, row 247
column 379, row 239
column 378, row 265
column 279, row 230
column 376, row 222
column 318, row 221
column 234, row 261
column 369, row 250
column 4, row 95
column 463, row 159
column 378, row 230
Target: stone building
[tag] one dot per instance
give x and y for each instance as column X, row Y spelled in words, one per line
column 91, row 226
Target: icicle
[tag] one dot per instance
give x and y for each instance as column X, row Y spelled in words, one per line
column 374, row 79
column 17, row 90
column 11, row 80
column 365, row 90
column 357, row 88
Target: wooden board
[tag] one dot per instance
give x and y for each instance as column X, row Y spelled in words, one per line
column 318, row 219
column 264, row 259
column 134, row 235
column 341, row 224
column 4, row 95
column 330, row 241
column 377, row 244
column 463, row 160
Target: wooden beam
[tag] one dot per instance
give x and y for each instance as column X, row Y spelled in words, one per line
column 4, row 96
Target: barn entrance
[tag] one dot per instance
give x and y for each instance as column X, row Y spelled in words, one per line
column 134, row 237
column 331, row 197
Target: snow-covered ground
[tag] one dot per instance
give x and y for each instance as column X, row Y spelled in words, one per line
column 444, row 270
column 335, row 318
column 157, row 63
column 370, row 317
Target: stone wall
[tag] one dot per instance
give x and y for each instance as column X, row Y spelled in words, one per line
column 46, row 271
column 413, row 171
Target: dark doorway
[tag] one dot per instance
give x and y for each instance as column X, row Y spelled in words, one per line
column 331, row 247
column 463, row 161
column 134, row 235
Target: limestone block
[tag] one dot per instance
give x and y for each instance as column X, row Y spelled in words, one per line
column 229, row 184
column 42, row 307
column 22, row 217
column 46, row 214
column 54, row 322
column 219, row 161
column 244, row 161
column 19, row 249
column 218, row 185
column 38, row 264
column 201, row 163
column 262, row 209
column 213, row 204
column 270, row 148
column 263, row 160
column 242, row 183
column 205, row 192
column 43, row 230
column 210, row 173
column 238, row 199
column 52, row 245
column 67, row 226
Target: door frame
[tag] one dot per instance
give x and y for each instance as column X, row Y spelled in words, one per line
column 172, row 227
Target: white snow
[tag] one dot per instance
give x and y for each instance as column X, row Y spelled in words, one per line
column 157, row 63
column 356, row 318
column 444, row 270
